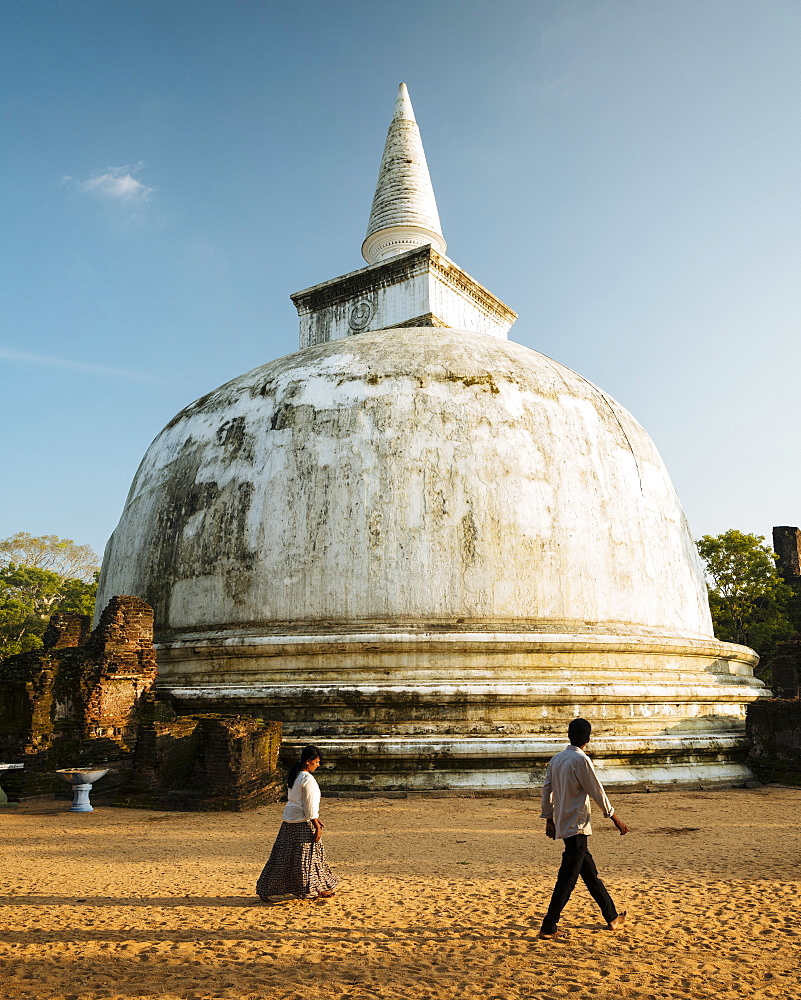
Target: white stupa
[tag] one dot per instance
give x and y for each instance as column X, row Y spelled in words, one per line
column 425, row 547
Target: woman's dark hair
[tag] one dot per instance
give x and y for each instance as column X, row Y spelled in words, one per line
column 578, row 732
column 306, row 754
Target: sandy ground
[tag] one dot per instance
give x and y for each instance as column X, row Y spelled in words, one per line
column 442, row 899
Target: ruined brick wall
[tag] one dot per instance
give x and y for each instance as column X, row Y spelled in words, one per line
column 67, row 631
column 120, row 668
column 785, row 668
column 203, row 762
column 74, row 702
column 773, row 729
column 239, row 761
column 26, row 723
column 86, row 699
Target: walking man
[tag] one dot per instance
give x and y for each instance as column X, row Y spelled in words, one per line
column 570, row 783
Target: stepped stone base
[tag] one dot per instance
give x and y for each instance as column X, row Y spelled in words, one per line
column 480, row 712
column 516, row 765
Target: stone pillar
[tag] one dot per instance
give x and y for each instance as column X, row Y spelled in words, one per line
column 787, row 546
column 785, row 669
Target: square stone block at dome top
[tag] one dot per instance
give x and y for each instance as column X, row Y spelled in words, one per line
column 417, row 288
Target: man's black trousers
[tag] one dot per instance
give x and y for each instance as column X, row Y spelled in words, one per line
column 577, row 860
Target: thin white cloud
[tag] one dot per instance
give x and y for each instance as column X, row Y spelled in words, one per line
column 117, row 184
column 558, row 85
column 9, row 354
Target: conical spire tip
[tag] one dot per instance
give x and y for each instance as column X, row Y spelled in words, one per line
column 404, row 213
column 403, row 104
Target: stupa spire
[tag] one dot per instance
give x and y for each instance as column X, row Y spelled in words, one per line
column 409, row 281
column 404, row 213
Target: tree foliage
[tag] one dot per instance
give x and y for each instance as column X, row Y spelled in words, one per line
column 58, row 555
column 748, row 599
column 38, row 578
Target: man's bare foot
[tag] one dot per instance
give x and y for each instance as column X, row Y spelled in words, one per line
column 554, row 934
column 617, row 923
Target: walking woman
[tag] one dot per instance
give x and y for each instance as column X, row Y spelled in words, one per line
column 297, row 865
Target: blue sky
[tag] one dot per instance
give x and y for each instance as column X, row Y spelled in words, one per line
column 625, row 174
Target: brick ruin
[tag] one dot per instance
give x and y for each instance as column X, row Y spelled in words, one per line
column 73, row 702
column 774, row 735
column 87, row 698
column 773, row 727
column 210, row 762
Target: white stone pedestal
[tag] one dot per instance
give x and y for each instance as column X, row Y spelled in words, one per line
column 81, row 782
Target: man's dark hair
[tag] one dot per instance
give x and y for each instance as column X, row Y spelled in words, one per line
column 578, row 732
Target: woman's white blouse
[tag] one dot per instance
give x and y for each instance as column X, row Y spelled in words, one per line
column 303, row 801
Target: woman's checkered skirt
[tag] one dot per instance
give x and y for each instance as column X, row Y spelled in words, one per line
column 297, row 865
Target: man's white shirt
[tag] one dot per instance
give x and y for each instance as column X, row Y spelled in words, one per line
column 570, row 783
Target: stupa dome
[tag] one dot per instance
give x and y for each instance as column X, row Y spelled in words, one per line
column 426, row 548
column 413, row 477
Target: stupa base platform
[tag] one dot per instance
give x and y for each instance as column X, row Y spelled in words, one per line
column 516, row 765
column 479, row 711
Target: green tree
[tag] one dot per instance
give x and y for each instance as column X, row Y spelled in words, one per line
column 748, row 599
column 59, row 555
column 46, row 575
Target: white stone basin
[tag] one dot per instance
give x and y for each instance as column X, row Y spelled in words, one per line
column 81, row 781
column 75, row 776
